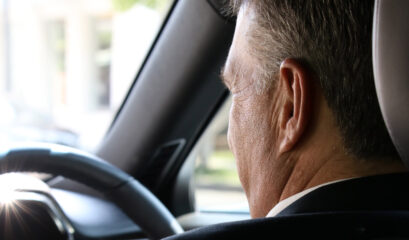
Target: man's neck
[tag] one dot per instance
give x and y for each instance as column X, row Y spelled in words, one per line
column 322, row 157
column 309, row 171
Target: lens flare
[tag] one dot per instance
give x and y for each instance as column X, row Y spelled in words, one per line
column 12, row 209
column 6, row 197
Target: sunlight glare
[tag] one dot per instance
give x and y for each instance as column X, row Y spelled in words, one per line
column 6, row 197
column 12, row 182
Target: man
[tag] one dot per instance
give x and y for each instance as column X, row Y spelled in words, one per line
column 305, row 125
column 304, row 109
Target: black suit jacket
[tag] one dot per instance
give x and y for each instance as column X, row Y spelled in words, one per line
column 381, row 192
column 375, row 206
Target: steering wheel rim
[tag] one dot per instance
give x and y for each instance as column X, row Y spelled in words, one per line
column 137, row 202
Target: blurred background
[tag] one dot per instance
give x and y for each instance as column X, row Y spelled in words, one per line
column 67, row 65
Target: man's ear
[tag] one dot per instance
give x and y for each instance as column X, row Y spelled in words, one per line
column 295, row 87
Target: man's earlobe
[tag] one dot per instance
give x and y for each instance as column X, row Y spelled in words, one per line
column 295, row 81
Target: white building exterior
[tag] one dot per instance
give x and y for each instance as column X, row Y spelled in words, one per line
column 67, row 64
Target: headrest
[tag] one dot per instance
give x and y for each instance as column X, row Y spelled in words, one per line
column 391, row 68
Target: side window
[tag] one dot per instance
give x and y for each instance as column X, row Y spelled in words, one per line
column 217, row 185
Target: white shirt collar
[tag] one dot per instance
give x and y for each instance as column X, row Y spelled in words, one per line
column 288, row 201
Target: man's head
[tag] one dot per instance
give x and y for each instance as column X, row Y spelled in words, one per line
column 304, row 101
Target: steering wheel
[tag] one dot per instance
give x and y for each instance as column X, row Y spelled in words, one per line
column 137, row 202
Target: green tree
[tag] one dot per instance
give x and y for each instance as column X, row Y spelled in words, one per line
column 123, row 5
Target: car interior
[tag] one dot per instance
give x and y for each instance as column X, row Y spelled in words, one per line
column 139, row 181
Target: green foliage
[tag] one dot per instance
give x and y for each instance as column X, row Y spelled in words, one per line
column 223, row 177
column 123, row 5
column 220, row 170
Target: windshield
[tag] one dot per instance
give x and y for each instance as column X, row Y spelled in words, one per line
column 66, row 65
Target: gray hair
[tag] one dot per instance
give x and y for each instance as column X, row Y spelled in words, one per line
column 333, row 37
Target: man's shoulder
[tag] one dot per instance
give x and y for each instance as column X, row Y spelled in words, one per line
column 379, row 192
column 337, row 208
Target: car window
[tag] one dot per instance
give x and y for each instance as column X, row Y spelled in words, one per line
column 66, row 65
column 216, row 182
